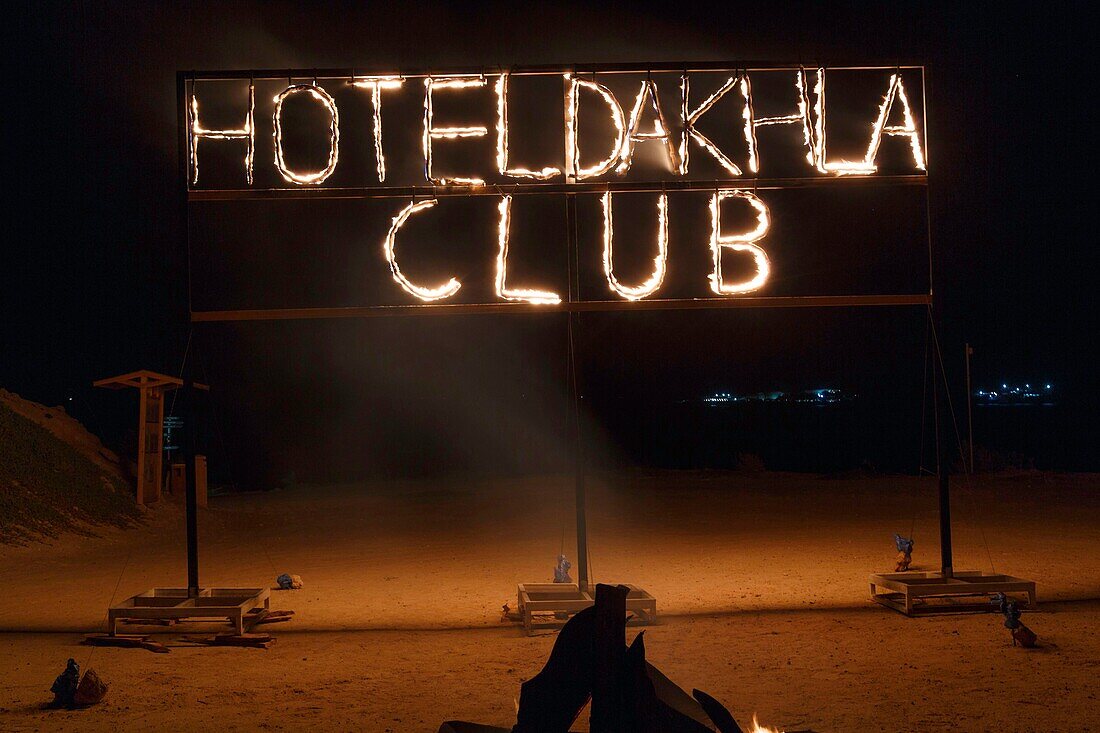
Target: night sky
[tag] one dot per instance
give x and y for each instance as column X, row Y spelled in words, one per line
column 95, row 273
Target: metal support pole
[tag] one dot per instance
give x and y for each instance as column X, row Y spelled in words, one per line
column 942, row 461
column 190, row 431
column 578, row 468
column 969, row 408
column 946, row 561
column 191, row 501
column 575, row 396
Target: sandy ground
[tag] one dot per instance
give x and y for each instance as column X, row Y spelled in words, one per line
column 761, row 582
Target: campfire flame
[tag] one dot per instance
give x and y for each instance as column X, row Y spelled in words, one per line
column 757, row 728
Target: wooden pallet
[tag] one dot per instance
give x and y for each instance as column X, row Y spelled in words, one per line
column 967, row 591
column 549, row 605
column 158, row 604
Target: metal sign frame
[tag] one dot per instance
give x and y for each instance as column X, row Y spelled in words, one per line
column 570, row 303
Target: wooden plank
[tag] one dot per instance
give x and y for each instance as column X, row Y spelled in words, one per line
column 129, row 641
column 257, row 641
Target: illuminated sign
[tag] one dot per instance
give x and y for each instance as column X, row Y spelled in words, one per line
column 731, row 135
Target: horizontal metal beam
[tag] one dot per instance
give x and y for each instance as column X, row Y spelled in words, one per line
column 381, row 192
column 528, row 70
column 435, row 309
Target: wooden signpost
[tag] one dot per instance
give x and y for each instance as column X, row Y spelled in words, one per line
column 151, row 388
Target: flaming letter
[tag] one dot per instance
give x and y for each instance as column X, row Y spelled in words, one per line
column 329, row 104
column 738, row 243
column 690, row 118
column 424, row 293
column 502, row 139
column 660, row 129
column 802, row 118
column 248, row 132
column 895, row 91
column 540, row 297
column 572, row 144
column 650, row 286
column 376, row 84
column 448, row 133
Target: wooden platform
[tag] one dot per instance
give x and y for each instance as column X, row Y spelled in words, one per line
column 549, row 605
column 172, row 603
column 968, row 591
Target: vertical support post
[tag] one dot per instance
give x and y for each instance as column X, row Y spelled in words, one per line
column 969, row 408
column 946, row 561
column 942, row 461
column 152, row 433
column 581, row 499
column 142, row 486
column 580, row 492
column 190, row 433
column 191, row 497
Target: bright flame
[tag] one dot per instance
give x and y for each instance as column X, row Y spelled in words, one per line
column 329, row 104
column 691, row 117
column 248, row 132
column 376, row 84
column 908, row 129
column 819, row 121
column 744, row 242
column 757, row 728
column 424, row 293
column 660, row 131
column 802, row 117
column 894, row 92
column 448, row 133
column 572, row 145
column 651, row 285
column 539, row 297
column 502, row 139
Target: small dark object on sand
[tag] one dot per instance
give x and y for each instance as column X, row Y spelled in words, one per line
column 90, row 690
column 287, row 581
column 64, row 687
column 905, row 553
column 71, row 690
column 561, row 570
column 1021, row 634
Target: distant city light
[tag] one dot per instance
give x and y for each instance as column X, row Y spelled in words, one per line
column 1016, row 395
column 821, row 396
